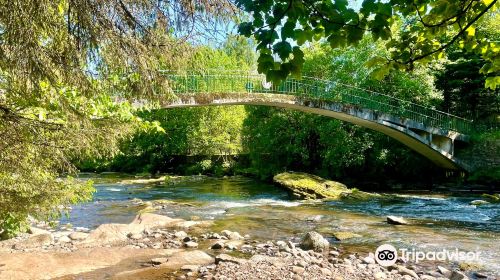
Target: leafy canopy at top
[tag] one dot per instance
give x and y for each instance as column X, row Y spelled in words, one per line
column 415, row 31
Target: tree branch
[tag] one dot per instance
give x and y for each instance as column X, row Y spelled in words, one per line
column 455, row 38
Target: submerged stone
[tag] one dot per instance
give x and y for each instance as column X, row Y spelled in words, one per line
column 478, row 202
column 394, row 220
column 344, row 235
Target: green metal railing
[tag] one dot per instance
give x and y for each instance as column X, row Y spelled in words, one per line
column 192, row 82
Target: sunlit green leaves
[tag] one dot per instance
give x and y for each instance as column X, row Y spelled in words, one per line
column 414, row 31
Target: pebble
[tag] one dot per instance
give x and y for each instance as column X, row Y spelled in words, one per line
column 444, row 271
column 135, row 236
column 77, row 236
column 480, row 275
column 326, row 272
column 334, row 253
column 457, row 275
column 180, row 234
column 217, row 245
column 190, row 267
column 235, row 236
column 298, row 270
column 394, row 220
column 405, row 271
column 302, row 263
column 361, row 266
column 380, row 275
column 191, row 244
column 214, row 236
column 64, row 239
column 368, row 260
column 158, row 261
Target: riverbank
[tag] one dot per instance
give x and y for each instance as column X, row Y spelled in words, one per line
column 267, row 215
column 159, row 247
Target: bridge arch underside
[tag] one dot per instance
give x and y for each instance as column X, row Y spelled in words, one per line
column 433, row 143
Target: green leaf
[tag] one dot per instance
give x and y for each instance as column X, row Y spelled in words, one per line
column 385, row 9
column 283, row 49
column 380, row 72
column 288, row 30
column 492, row 82
column 354, row 34
column 377, row 60
column 245, row 29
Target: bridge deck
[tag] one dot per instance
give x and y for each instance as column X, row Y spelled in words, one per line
column 430, row 132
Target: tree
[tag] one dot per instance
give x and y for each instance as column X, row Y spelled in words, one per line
column 279, row 139
column 462, row 84
column 414, row 32
column 202, row 132
column 463, row 90
column 67, row 70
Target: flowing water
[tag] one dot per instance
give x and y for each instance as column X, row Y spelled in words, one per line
column 266, row 212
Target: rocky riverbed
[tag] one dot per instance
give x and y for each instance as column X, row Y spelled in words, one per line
column 155, row 246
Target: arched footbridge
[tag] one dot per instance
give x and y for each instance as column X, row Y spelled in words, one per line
column 432, row 133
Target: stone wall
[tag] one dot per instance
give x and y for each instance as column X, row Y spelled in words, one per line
column 480, row 155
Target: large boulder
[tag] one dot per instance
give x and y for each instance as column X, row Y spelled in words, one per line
column 314, row 241
column 154, row 221
column 110, row 233
column 307, row 186
column 35, row 231
column 78, row 236
column 35, row 241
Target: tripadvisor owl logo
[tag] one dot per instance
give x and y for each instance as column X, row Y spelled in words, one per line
column 386, row 255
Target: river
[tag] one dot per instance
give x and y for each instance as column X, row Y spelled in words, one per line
column 266, row 212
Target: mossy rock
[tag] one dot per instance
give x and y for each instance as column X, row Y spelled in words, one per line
column 467, row 266
column 492, row 198
column 356, row 194
column 308, row 186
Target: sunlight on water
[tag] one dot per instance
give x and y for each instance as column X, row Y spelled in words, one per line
column 266, row 212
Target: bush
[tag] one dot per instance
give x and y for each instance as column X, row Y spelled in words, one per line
column 486, row 176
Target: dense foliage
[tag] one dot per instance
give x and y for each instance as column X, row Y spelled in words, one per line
column 67, row 69
column 208, row 135
column 280, row 139
column 271, row 140
column 70, row 70
column 415, row 32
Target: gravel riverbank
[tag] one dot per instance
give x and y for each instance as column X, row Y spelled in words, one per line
column 158, row 247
